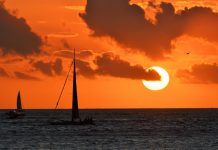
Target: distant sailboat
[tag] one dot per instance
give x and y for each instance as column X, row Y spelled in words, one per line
column 75, row 120
column 17, row 113
column 19, row 105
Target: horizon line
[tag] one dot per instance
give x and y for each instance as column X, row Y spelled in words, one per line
column 113, row 108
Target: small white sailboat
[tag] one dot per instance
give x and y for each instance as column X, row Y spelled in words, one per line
column 19, row 112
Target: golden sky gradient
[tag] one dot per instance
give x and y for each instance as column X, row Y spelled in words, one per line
column 117, row 35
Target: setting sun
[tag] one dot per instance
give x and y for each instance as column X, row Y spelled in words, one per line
column 157, row 85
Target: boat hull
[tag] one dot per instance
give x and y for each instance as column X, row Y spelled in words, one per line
column 15, row 114
column 66, row 122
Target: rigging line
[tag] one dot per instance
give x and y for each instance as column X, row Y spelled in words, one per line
column 63, row 86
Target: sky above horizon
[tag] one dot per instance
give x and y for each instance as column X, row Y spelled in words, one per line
column 115, row 42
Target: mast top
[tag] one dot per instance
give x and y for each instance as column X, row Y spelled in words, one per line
column 74, row 55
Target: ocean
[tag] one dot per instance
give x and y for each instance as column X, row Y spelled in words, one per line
column 114, row 129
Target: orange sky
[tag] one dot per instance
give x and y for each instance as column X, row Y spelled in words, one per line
column 193, row 82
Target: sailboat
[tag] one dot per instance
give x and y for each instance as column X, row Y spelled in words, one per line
column 75, row 120
column 17, row 113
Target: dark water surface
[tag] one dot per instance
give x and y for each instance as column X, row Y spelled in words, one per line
column 114, row 129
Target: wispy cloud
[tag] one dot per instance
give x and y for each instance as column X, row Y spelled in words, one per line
column 24, row 76
column 70, row 53
column 199, row 73
column 63, row 35
column 3, row 73
column 76, row 8
column 49, row 68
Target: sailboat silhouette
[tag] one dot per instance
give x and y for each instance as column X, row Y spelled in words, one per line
column 76, row 120
column 17, row 113
column 19, row 104
column 75, row 109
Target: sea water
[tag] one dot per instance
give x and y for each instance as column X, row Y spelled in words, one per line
column 114, row 129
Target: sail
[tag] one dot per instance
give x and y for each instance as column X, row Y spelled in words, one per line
column 19, row 105
column 75, row 110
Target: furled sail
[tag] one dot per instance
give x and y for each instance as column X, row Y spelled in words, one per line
column 75, row 110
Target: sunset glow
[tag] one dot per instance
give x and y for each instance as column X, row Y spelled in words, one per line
column 114, row 49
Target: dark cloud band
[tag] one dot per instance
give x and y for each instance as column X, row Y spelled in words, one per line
column 200, row 73
column 109, row 64
column 3, row 73
column 49, row 68
column 127, row 25
column 24, row 76
column 16, row 35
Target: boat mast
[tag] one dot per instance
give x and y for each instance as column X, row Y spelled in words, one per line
column 75, row 110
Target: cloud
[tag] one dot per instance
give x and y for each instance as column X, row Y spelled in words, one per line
column 83, row 54
column 200, row 73
column 12, row 60
column 63, row 35
column 57, row 67
column 85, row 69
column 66, row 45
column 64, row 53
column 49, row 68
column 16, row 35
column 3, row 73
column 109, row 64
column 44, row 67
column 24, row 76
column 76, row 8
column 127, row 25
column 68, row 51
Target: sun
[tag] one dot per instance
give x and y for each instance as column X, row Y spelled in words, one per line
column 157, row 85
